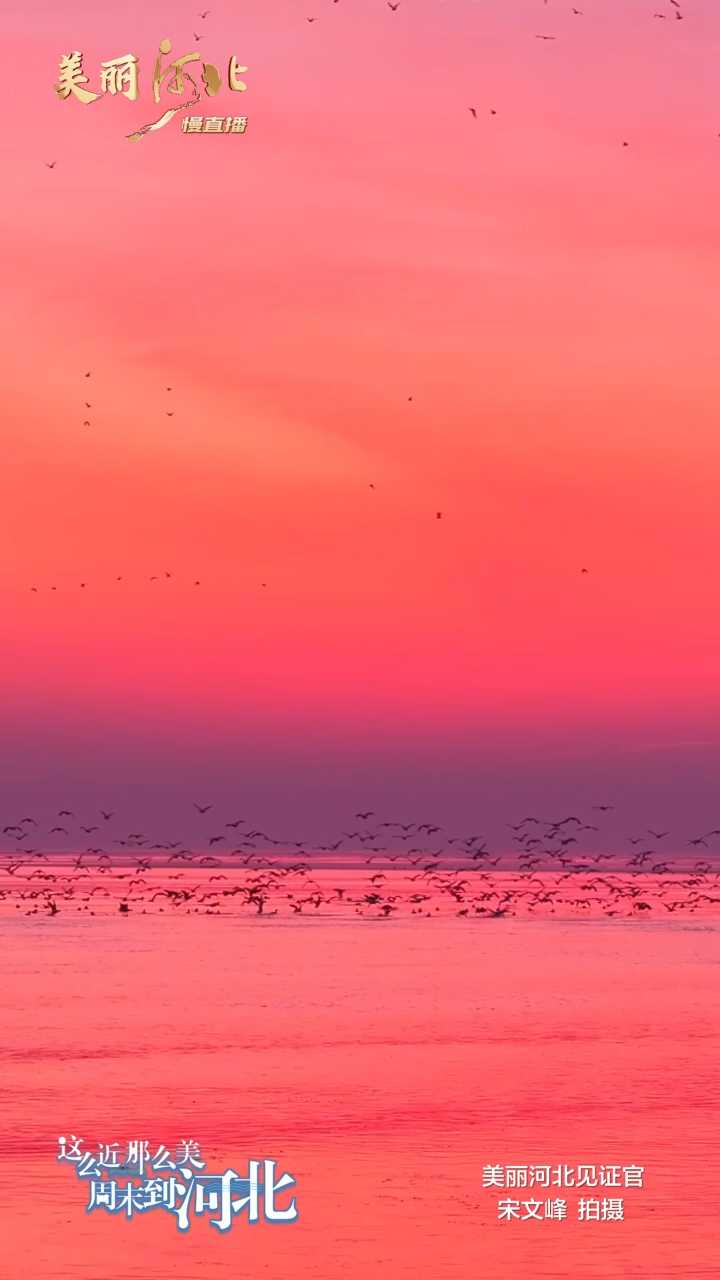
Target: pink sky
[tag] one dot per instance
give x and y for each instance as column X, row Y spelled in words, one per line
column 547, row 297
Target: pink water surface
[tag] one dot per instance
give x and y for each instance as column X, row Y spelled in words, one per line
column 383, row 1063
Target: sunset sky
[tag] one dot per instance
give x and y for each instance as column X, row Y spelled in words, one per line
column 547, row 297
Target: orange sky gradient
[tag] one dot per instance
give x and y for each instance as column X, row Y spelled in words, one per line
column 546, row 296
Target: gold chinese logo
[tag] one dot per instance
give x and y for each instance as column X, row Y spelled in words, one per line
column 122, row 76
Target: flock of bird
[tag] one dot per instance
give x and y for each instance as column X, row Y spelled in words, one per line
column 165, row 575
column 674, row 12
column 87, row 422
column 377, row 869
